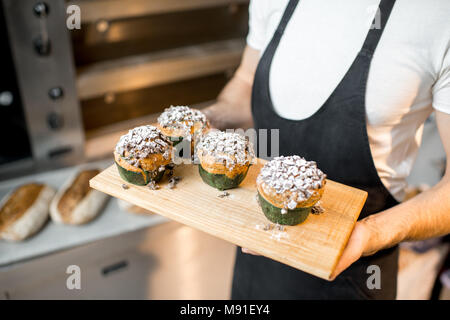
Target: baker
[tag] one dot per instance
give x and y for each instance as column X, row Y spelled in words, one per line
column 349, row 84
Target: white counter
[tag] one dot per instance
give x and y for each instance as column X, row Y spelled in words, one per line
column 54, row 237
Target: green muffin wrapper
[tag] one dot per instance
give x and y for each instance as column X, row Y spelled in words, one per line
column 138, row 178
column 290, row 218
column 221, row 181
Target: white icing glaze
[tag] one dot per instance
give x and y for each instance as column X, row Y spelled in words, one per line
column 142, row 141
column 293, row 174
column 181, row 118
column 229, row 148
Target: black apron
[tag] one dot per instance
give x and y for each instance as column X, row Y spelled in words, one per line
column 336, row 138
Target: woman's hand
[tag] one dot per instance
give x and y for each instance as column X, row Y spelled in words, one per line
column 422, row 217
column 357, row 246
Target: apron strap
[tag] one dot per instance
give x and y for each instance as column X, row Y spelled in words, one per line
column 374, row 34
column 286, row 17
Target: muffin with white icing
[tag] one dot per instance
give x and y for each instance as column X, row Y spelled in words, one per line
column 224, row 159
column 142, row 155
column 180, row 123
column 288, row 188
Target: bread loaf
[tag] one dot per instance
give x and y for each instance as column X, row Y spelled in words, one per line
column 24, row 211
column 76, row 202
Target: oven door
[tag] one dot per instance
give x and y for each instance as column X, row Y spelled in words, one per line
column 15, row 151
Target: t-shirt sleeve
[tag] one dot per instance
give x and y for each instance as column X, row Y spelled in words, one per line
column 256, row 24
column 441, row 89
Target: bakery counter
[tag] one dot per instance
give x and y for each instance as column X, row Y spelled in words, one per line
column 53, row 237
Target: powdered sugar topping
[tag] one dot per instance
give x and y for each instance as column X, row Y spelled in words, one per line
column 229, row 148
column 181, row 117
column 142, row 141
column 293, row 174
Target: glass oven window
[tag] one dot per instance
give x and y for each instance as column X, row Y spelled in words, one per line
column 15, row 143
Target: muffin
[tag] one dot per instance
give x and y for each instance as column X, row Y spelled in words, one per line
column 181, row 122
column 142, row 155
column 288, row 188
column 224, row 159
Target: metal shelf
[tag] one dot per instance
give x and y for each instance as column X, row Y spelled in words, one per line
column 142, row 71
column 93, row 11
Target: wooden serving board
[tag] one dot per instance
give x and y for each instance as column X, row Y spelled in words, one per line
column 313, row 246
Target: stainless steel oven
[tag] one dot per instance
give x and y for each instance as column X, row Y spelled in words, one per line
column 66, row 93
column 41, row 119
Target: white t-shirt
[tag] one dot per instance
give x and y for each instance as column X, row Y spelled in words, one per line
column 409, row 75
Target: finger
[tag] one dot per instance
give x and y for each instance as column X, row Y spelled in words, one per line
column 352, row 252
column 341, row 266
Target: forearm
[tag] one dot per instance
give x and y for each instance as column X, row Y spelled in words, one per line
column 233, row 107
column 424, row 216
